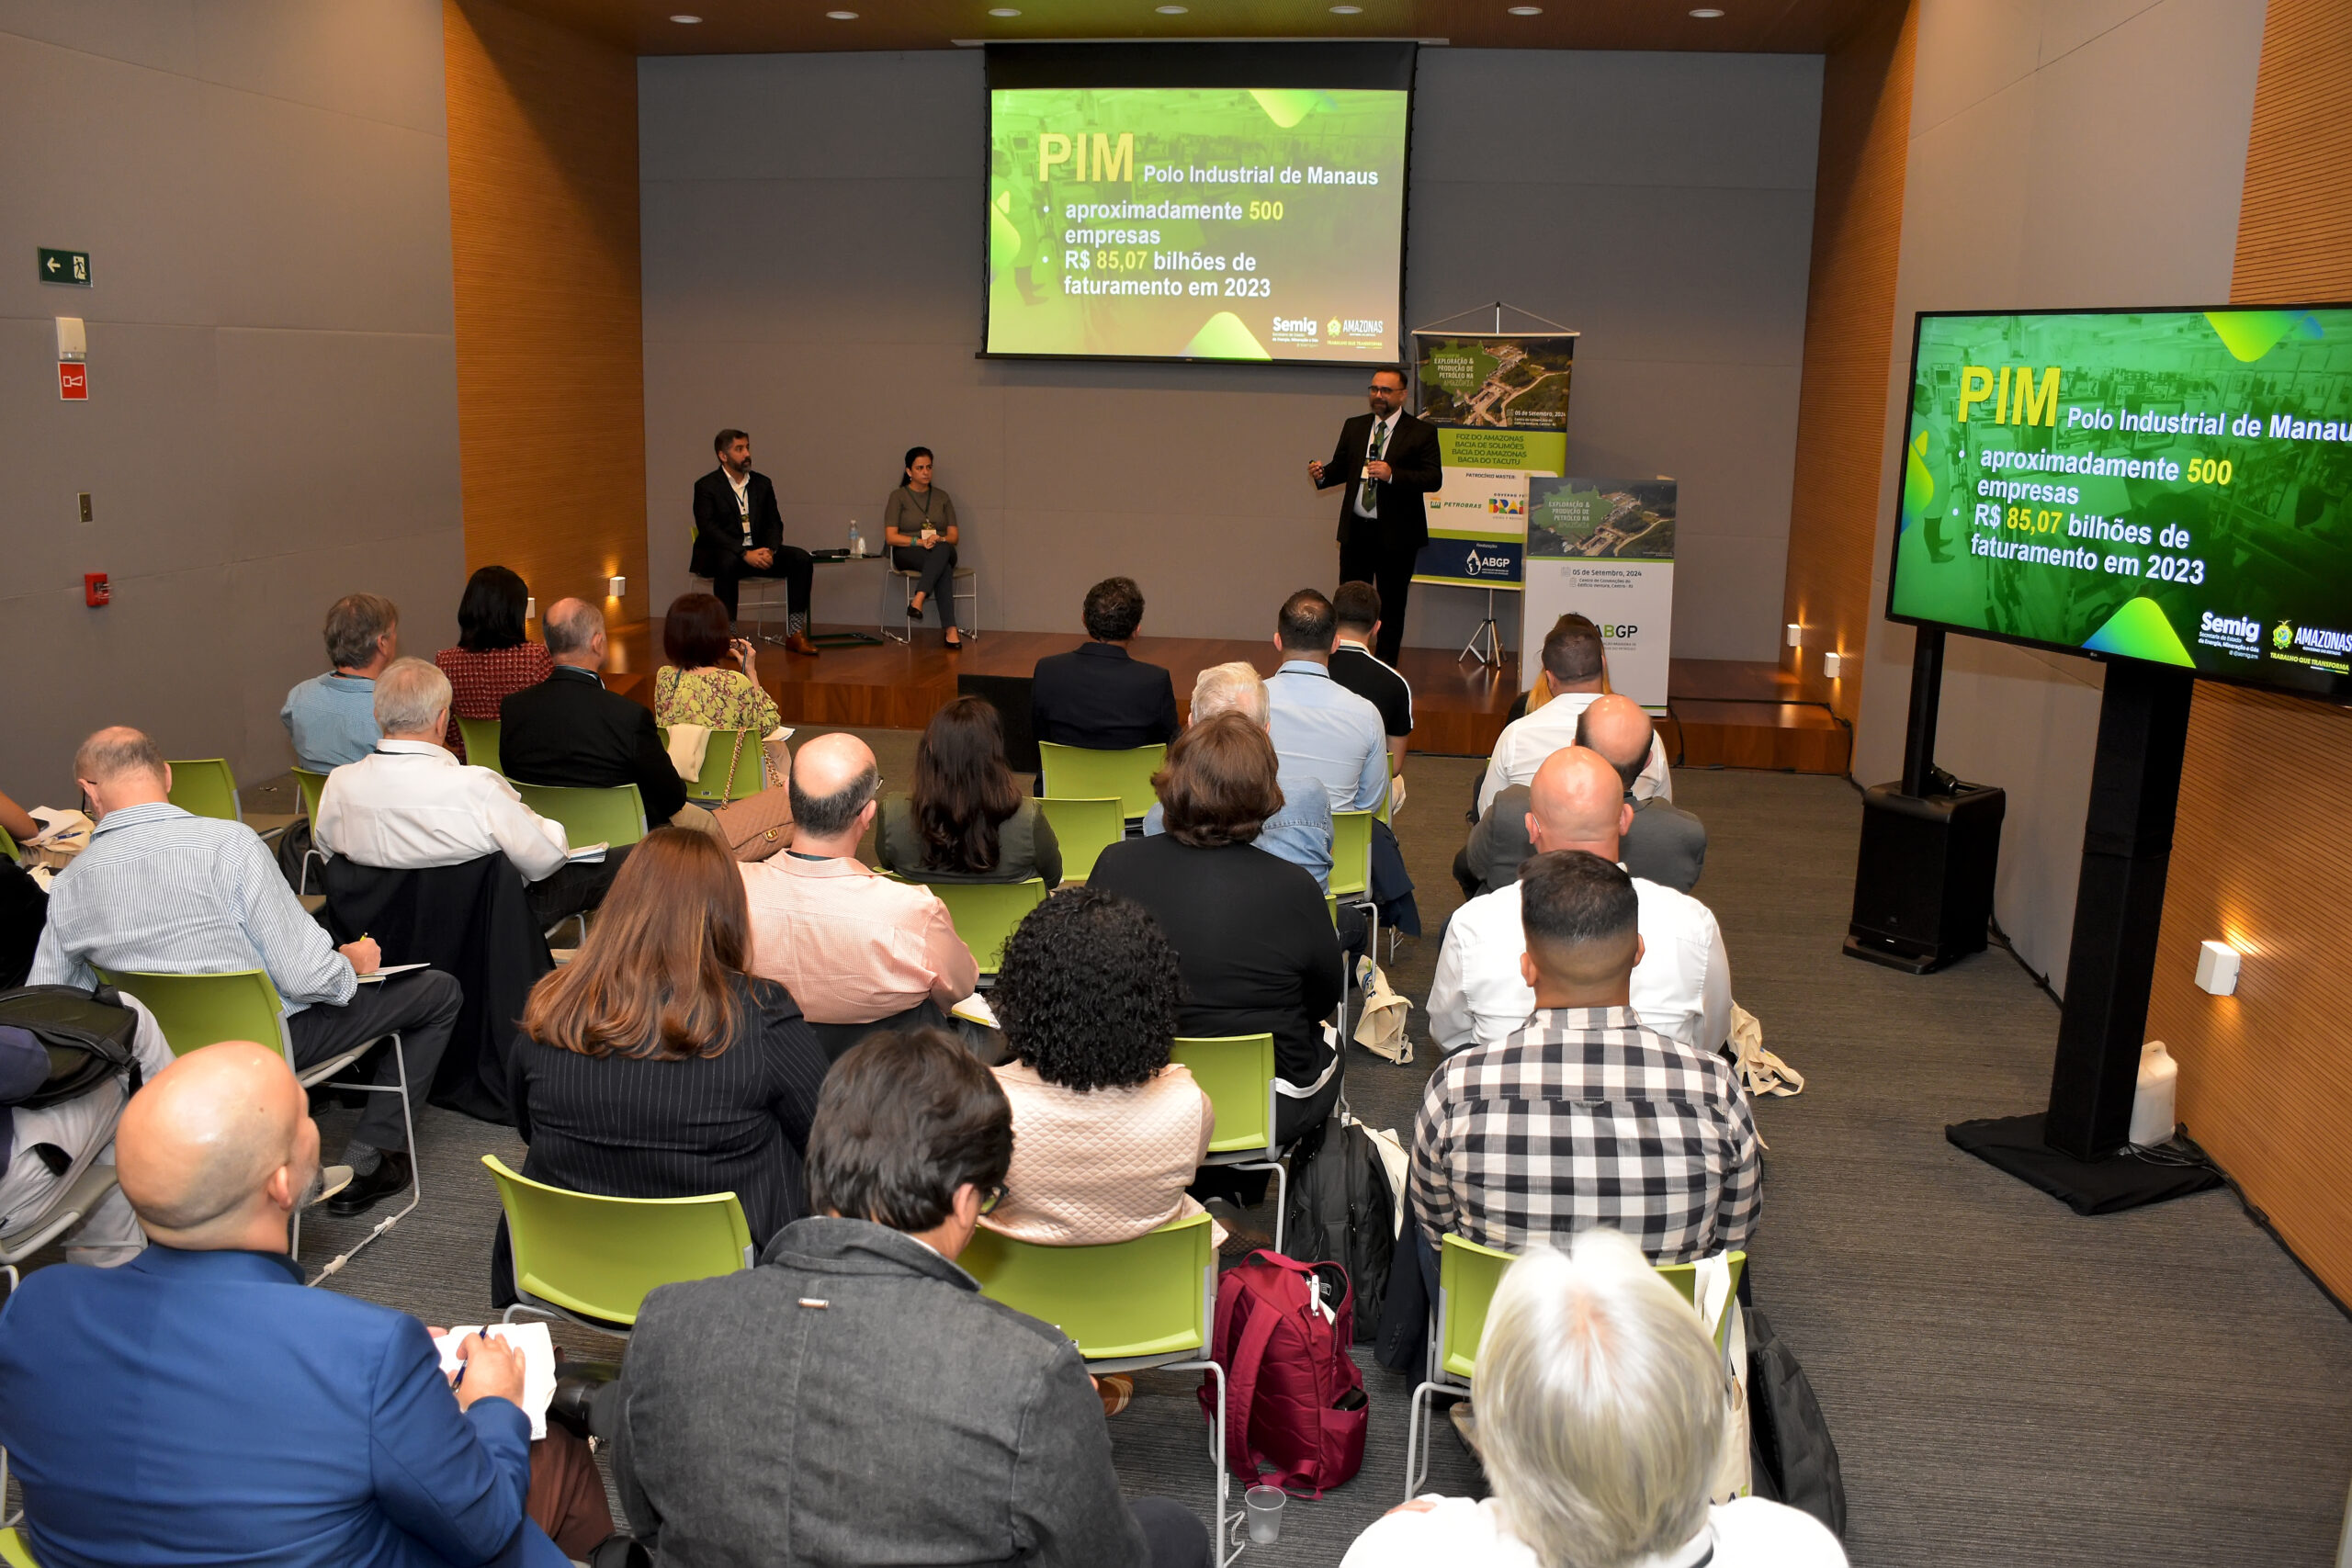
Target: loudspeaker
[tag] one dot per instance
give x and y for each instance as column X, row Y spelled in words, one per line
column 1923, row 891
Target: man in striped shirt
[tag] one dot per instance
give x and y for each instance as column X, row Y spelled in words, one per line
column 1583, row 1116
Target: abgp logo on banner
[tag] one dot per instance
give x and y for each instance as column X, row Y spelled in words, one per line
column 1619, row 633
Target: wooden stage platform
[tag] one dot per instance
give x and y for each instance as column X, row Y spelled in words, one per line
column 1720, row 713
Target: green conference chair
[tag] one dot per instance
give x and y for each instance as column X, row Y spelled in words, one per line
column 205, row 787
column 1237, row 1072
column 9, row 847
column 614, row 815
column 481, row 735
column 985, row 912
column 592, row 1260
column 1084, row 828
column 313, row 786
column 1149, row 1302
column 1076, row 773
column 13, row 1553
column 712, row 787
column 196, row 1010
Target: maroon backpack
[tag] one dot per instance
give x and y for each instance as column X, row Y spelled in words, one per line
column 1295, row 1401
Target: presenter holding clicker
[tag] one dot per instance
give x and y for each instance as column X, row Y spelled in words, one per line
column 918, row 523
column 739, row 534
column 1388, row 460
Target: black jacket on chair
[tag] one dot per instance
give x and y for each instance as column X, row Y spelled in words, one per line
column 568, row 730
column 1412, row 457
column 719, row 522
column 1099, row 698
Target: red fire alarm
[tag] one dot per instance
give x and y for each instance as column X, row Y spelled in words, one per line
column 95, row 592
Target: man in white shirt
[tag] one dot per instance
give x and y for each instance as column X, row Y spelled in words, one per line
column 1682, row 980
column 411, row 803
column 1322, row 728
column 1575, row 666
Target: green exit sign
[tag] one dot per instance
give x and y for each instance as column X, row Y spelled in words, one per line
column 65, row 267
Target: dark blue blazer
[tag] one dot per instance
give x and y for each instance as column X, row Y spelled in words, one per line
column 1097, row 697
column 203, row 1408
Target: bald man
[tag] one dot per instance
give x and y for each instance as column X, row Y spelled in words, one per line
column 857, row 950
column 1665, row 844
column 1681, row 987
column 197, row 1405
column 569, row 731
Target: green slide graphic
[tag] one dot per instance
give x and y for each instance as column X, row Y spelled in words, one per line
column 1196, row 222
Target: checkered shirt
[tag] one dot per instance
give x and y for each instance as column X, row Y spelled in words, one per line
column 1585, row 1117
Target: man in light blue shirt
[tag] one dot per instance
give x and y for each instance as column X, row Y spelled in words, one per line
column 1301, row 831
column 1320, row 727
column 332, row 717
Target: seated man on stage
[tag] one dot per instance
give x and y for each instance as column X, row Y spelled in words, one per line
column 1096, row 696
column 739, row 532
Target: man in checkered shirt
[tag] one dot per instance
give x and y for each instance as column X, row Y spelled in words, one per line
column 1583, row 1116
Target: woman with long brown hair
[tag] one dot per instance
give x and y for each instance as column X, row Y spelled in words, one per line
column 654, row 1064
column 969, row 819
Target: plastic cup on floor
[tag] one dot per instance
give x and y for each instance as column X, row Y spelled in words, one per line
column 1265, row 1506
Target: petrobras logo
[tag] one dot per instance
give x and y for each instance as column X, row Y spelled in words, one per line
column 1482, row 562
column 2240, row 635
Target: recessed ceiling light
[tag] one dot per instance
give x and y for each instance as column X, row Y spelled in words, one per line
column 1002, row 11
column 1170, row 10
column 1347, row 10
column 843, row 16
column 1527, row 10
column 689, row 20
column 1706, row 13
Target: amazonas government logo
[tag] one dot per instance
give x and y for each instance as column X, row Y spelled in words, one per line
column 2282, row 635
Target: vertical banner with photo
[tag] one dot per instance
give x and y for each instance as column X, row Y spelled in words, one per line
column 1500, row 403
column 1604, row 548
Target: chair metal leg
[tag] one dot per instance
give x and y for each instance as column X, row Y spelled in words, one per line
column 416, row 1166
column 1416, row 1437
column 1228, row 1524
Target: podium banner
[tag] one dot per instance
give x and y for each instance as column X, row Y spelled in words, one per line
column 1604, row 550
column 1500, row 403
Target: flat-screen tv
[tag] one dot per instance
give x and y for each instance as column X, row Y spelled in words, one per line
column 2173, row 486
column 1197, row 202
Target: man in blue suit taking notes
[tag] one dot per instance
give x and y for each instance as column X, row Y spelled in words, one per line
column 196, row 1405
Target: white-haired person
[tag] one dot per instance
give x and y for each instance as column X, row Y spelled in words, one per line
column 1603, row 1404
column 1300, row 832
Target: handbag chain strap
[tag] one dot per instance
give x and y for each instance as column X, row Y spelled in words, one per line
column 727, row 791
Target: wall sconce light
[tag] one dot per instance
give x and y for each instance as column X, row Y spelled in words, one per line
column 2217, row 969
column 616, row 586
column 531, row 609
column 1796, row 635
column 1832, row 665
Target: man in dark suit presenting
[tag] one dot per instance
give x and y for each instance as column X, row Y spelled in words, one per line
column 739, row 534
column 1386, row 460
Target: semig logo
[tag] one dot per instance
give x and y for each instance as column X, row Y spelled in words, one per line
column 1305, row 324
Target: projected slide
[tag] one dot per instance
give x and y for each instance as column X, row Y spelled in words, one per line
column 1195, row 222
column 2169, row 486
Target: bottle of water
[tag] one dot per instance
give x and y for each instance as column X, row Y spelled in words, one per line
column 856, row 543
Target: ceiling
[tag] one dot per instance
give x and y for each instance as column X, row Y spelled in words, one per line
column 759, row 26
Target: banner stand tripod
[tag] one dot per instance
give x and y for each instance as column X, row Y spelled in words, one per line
column 1487, row 634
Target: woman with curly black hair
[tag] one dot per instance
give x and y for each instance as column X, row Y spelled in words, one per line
column 1106, row 1131
column 968, row 819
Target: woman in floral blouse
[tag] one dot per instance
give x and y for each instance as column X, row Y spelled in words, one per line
column 694, row 688
column 491, row 657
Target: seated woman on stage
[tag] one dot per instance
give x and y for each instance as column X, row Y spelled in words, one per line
column 652, row 1065
column 919, row 522
column 968, row 819
column 492, row 658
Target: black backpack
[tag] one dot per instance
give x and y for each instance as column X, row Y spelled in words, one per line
column 1342, row 1210
column 1791, row 1457
column 90, row 1036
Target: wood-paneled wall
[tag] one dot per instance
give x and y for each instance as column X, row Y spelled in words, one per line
column 543, row 204
column 2260, row 854
column 1849, row 333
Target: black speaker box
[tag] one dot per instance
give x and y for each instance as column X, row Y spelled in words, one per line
column 1923, row 891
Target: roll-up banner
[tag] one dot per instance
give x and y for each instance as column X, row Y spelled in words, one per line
column 1500, row 403
column 1603, row 549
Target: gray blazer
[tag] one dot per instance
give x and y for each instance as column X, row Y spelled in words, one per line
column 1667, row 845
column 856, row 1400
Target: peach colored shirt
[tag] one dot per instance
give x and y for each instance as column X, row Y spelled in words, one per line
column 853, row 947
column 1100, row 1165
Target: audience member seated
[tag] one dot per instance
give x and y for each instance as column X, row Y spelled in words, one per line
column 696, row 687
column 1320, row 727
column 1356, row 607
column 410, row 804
column 652, row 1065
column 854, row 948
column 1585, row 1115
column 24, row 906
column 331, row 718
column 855, row 1396
column 198, row 1406
column 493, row 658
column 967, row 819
column 1665, row 844
column 1301, row 831
column 1601, row 1419
column 568, row 730
column 1095, row 695
column 1682, row 984
column 42, row 1146
column 1576, row 669
column 163, row 891
column 1252, row 932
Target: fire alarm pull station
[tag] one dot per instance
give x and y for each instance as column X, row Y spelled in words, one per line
column 95, row 592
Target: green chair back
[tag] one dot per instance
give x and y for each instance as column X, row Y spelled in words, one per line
column 712, row 786
column 599, row 1256
column 205, row 787
column 196, row 1010
column 1237, row 1072
column 614, row 816
column 481, row 735
column 1076, row 773
column 1152, row 1297
column 1468, row 1274
column 313, row 786
column 1084, row 828
column 1387, row 796
column 14, row 1552
column 1331, row 908
column 1351, row 852
column 9, row 847
column 985, row 912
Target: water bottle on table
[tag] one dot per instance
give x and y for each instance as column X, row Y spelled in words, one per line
column 856, row 541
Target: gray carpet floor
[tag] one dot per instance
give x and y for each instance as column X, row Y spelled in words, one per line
column 2007, row 1382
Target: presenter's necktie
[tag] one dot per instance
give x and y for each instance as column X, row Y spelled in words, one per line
column 1371, row 502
